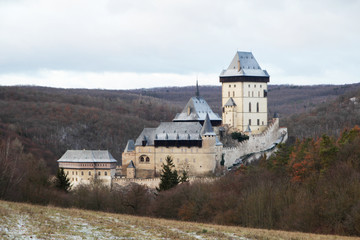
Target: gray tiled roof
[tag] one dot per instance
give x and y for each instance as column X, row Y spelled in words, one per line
column 87, row 156
column 170, row 131
column 130, row 146
column 198, row 110
column 207, row 128
column 131, row 165
column 248, row 66
column 230, row 102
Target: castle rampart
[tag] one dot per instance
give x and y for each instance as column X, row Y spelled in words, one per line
column 255, row 143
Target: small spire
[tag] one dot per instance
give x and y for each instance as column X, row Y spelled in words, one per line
column 197, row 89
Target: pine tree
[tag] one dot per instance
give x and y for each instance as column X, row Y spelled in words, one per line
column 62, row 181
column 169, row 177
column 184, row 178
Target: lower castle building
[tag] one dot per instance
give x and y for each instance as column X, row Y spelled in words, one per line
column 82, row 166
column 193, row 147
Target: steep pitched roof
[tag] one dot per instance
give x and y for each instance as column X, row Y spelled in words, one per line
column 87, row 156
column 130, row 146
column 196, row 110
column 170, row 131
column 207, row 127
column 131, row 165
column 244, row 64
column 230, row 103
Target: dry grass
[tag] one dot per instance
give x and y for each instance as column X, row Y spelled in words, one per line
column 25, row 221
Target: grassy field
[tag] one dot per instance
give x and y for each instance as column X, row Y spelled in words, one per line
column 25, row 221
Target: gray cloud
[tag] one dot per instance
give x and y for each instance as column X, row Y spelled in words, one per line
column 292, row 39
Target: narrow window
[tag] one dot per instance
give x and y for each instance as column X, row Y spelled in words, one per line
column 250, row 122
column 255, row 86
column 234, row 85
column 230, row 86
column 252, row 93
column 105, row 173
column 257, row 107
column 259, row 94
column 233, row 93
column 248, row 93
column 89, row 173
column 262, row 123
column 147, row 159
column 228, row 94
column 258, row 122
column 249, row 106
column 82, row 173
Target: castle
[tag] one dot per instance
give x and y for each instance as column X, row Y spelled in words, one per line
column 190, row 139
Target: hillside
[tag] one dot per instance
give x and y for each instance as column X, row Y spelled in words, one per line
column 327, row 118
column 48, row 121
column 24, row 221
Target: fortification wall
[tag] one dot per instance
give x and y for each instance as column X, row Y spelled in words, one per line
column 154, row 182
column 255, row 143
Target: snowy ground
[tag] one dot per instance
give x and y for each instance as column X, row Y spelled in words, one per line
column 24, row 221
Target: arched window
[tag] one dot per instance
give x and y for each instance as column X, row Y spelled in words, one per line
column 147, row 159
column 257, row 107
column 249, row 106
column 99, row 173
column 142, row 159
column 82, row 173
column 105, row 173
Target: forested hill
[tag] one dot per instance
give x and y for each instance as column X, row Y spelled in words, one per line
column 48, row 121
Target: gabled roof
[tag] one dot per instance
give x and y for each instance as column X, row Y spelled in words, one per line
column 207, row 127
column 170, row 131
column 130, row 146
column 230, row 103
column 244, row 64
column 196, row 110
column 103, row 156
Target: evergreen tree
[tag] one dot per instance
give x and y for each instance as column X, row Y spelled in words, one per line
column 62, row 181
column 184, row 178
column 169, row 176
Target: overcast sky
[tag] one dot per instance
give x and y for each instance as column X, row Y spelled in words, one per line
column 118, row 44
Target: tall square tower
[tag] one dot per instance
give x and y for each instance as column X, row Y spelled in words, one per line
column 244, row 94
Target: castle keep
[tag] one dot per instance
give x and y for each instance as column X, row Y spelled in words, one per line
column 244, row 94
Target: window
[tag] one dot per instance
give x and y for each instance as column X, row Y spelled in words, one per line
column 249, row 106
column 142, row 159
column 234, row 85
column 89, row 173
column 228, row 94
column 72, row 172
column 250, row 122
column 147, row 159
column 257, row 108
column 233, row 93
column 252, row 93
column 82, row 173
column 105, row 173
column 249, row 85
column 255, row 86
column 258, row 122
column 230, row 86
column 259, row 94
column 262, row 123
column 248, row 93
column 265, row 93
column 99, row 173
column 260, row 86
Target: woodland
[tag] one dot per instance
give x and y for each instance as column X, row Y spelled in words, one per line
column 312, row 184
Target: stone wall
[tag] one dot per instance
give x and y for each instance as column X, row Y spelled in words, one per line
column 255, row 143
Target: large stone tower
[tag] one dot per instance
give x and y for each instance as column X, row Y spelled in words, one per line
column 244, row 94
